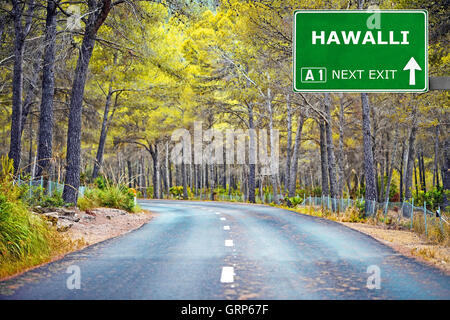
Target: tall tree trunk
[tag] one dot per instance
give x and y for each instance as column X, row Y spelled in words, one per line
column 381, row 193
column 341, row 149
column 369, row 170
column 273, row 151
column 436, row 156
column 30, row 150
column 252, row 155
column 167, row 175
column 323, row 158
column 224, row 171
column 48, row 89
column 391, row 167
column 103, row 133
column 423, row 182
column 183, row 178
column 211, row 181
column 289, row 145
column 156, row 177
column 401, row 171
column 330, row 148
column 99, row 12
column 446, row 174
column 20, row 33
column 130, row 174
column 296, row 154
column 31, row 92
column 415, row 178
column 411, row 156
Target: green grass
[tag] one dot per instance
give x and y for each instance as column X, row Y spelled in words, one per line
column 26, row 239
column 111, row 196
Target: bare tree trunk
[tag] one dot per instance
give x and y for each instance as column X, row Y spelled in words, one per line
column 369, row 170
column 30, row 150
column 211, row 183
column 289, row 145
column 273, row 174
column 423, row 181
column 415, row 178
column 130, row 173
column 296, row 154
column 20, row 33
column 323, row 158
column 183, row 178
column 102, row 140
column 330, row 148
column 391, row 167
column 381, row 193
column 411, row 155
column 167, row 175
column 99, row 11
column 31, row 92
column 341, row 149
column 48, row 88
column 446, row 174
column 436, row 156
column 252, row 156
column 156, row 176
column 401, row 171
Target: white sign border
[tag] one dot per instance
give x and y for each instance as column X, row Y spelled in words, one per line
column 423, row 11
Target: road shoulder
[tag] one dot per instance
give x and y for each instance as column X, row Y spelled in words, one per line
column 407, row 243
column 94, row 226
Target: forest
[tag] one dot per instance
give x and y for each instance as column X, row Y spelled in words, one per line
column 93, row 91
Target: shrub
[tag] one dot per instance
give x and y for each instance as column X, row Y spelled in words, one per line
column 100, row 182
column 432, row 197
column 25, row 238
column 176, row 191
column 39, row 197
column 353, row 214
column 119, row 197
column 293, row 201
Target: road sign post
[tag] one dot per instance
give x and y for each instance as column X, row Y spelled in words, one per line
column 360, row 51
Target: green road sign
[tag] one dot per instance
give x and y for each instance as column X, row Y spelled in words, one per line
column 360, row 51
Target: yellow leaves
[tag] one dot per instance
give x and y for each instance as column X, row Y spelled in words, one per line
column 446, row 59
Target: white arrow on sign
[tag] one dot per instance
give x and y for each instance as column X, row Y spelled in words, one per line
column 412, row 66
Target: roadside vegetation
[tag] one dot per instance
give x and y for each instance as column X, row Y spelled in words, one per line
column 26, row 239
column 104, row 194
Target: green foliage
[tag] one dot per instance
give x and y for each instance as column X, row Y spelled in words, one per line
column 150, row 191
column 25, row 238
column 100, row 182
column 37, row 196
column 360, row 205
column 176, row 191
column 432, row 197
column 111, row 196
column 393, row 188
column 293, row 201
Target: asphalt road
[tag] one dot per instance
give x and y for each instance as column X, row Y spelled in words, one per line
column 214, row 250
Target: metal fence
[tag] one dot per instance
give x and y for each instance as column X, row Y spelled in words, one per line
column 398, row 213
column 51, row 187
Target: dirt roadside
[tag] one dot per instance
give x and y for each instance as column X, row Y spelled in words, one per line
column 93, row 226
column 407, row 243
column 104, row 223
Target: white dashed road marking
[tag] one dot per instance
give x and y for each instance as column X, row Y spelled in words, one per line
column 229, row 243
column 226, row 227
column 227, row 275
column 223, row 219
